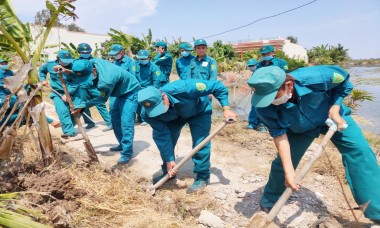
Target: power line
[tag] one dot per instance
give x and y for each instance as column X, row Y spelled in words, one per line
column 263, row 18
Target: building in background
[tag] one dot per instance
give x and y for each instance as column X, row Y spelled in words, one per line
column 57, row 36
column 294, row 51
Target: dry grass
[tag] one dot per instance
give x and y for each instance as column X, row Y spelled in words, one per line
column 119, row 200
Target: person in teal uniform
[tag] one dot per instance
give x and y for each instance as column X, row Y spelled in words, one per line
column 253, row 121
column 169, row 108
column 295, row 107
column 203, row 66
column 163, row 60
column 64, row 60
column 268, row 58
column 4, row 72
column 183, row 63
column 148, row 74
column 4, row 69
column 117, row 52
column 111, row 80
column 88, row 92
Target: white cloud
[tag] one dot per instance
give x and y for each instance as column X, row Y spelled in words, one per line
column 97, row 15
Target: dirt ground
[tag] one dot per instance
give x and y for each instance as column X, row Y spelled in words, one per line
column 74, row 193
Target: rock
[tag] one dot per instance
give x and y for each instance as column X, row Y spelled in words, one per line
column 318, row 178
column 245, row 182
column 327, row 222
column 60, row 218
column 241, row 195
column 237, row 190
column 181, row 183
column 210, row 220
column 167, row 200
column 220, row 195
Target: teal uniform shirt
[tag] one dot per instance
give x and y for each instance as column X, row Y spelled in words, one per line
column 274, row 62
column 317, row 88
column 206, row 68
column 149, row 75
column 111, row 81
column 165, row 63
column 302, row 120
column 188, row 98
column 183, row 66
column 55, row 82
column 127, row 63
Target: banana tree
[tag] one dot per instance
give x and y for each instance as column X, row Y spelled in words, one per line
column 19, row 40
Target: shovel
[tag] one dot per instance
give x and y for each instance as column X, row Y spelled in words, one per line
column 152, row 189
column 87, row 144
column 258, row 220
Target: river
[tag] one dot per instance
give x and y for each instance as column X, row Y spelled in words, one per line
column 369, row 110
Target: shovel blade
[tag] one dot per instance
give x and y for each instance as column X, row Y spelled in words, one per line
column 260, row 221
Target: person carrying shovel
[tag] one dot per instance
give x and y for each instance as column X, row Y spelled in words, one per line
column 295, row 107
column 168, row 109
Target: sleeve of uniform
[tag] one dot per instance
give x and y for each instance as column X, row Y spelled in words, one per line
column 199, row 88
column 157, row 76
column 132, row 68
column 162, row 138
column 177, row 69
column 213, row 70
column 42, row 72
column 269, row 118
column 104, row 95
column 285, row 66
column 339, row 85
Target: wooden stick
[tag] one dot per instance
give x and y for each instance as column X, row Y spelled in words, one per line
column 87, row 144
column 55, row 91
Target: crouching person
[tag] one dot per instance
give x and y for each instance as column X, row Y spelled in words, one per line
column 113, row 81
column 295, row 107
column 168, row 109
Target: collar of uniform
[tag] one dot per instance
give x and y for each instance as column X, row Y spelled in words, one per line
column 203, row 59
column 124, row 59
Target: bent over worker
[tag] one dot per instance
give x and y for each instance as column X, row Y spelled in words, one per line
column 295, row 107
column 116, row 82
column 167, row 110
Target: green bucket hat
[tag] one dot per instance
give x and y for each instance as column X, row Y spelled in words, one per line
column 65, row 56
column 151, row 99
column 266, row 82
column 252, row 62
column 143, row 54
column 115, row 48
column 84, row 48
column 266, row 49
column 82, row 67
column 161, row 44
column 185, row 46
column 200, row 42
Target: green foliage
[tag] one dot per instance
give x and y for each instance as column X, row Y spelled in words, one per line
column 71, row 48
column 293, row 64
column 292, row 39
column 131, row 43
column 356, row 96
column 251, row 55
column 74, row 28
column 327, row 54
column 222, row 52
column 16, row 216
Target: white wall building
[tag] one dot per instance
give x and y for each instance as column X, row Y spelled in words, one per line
column 62, row 35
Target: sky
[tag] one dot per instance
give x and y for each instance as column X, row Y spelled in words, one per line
column 352, row 23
